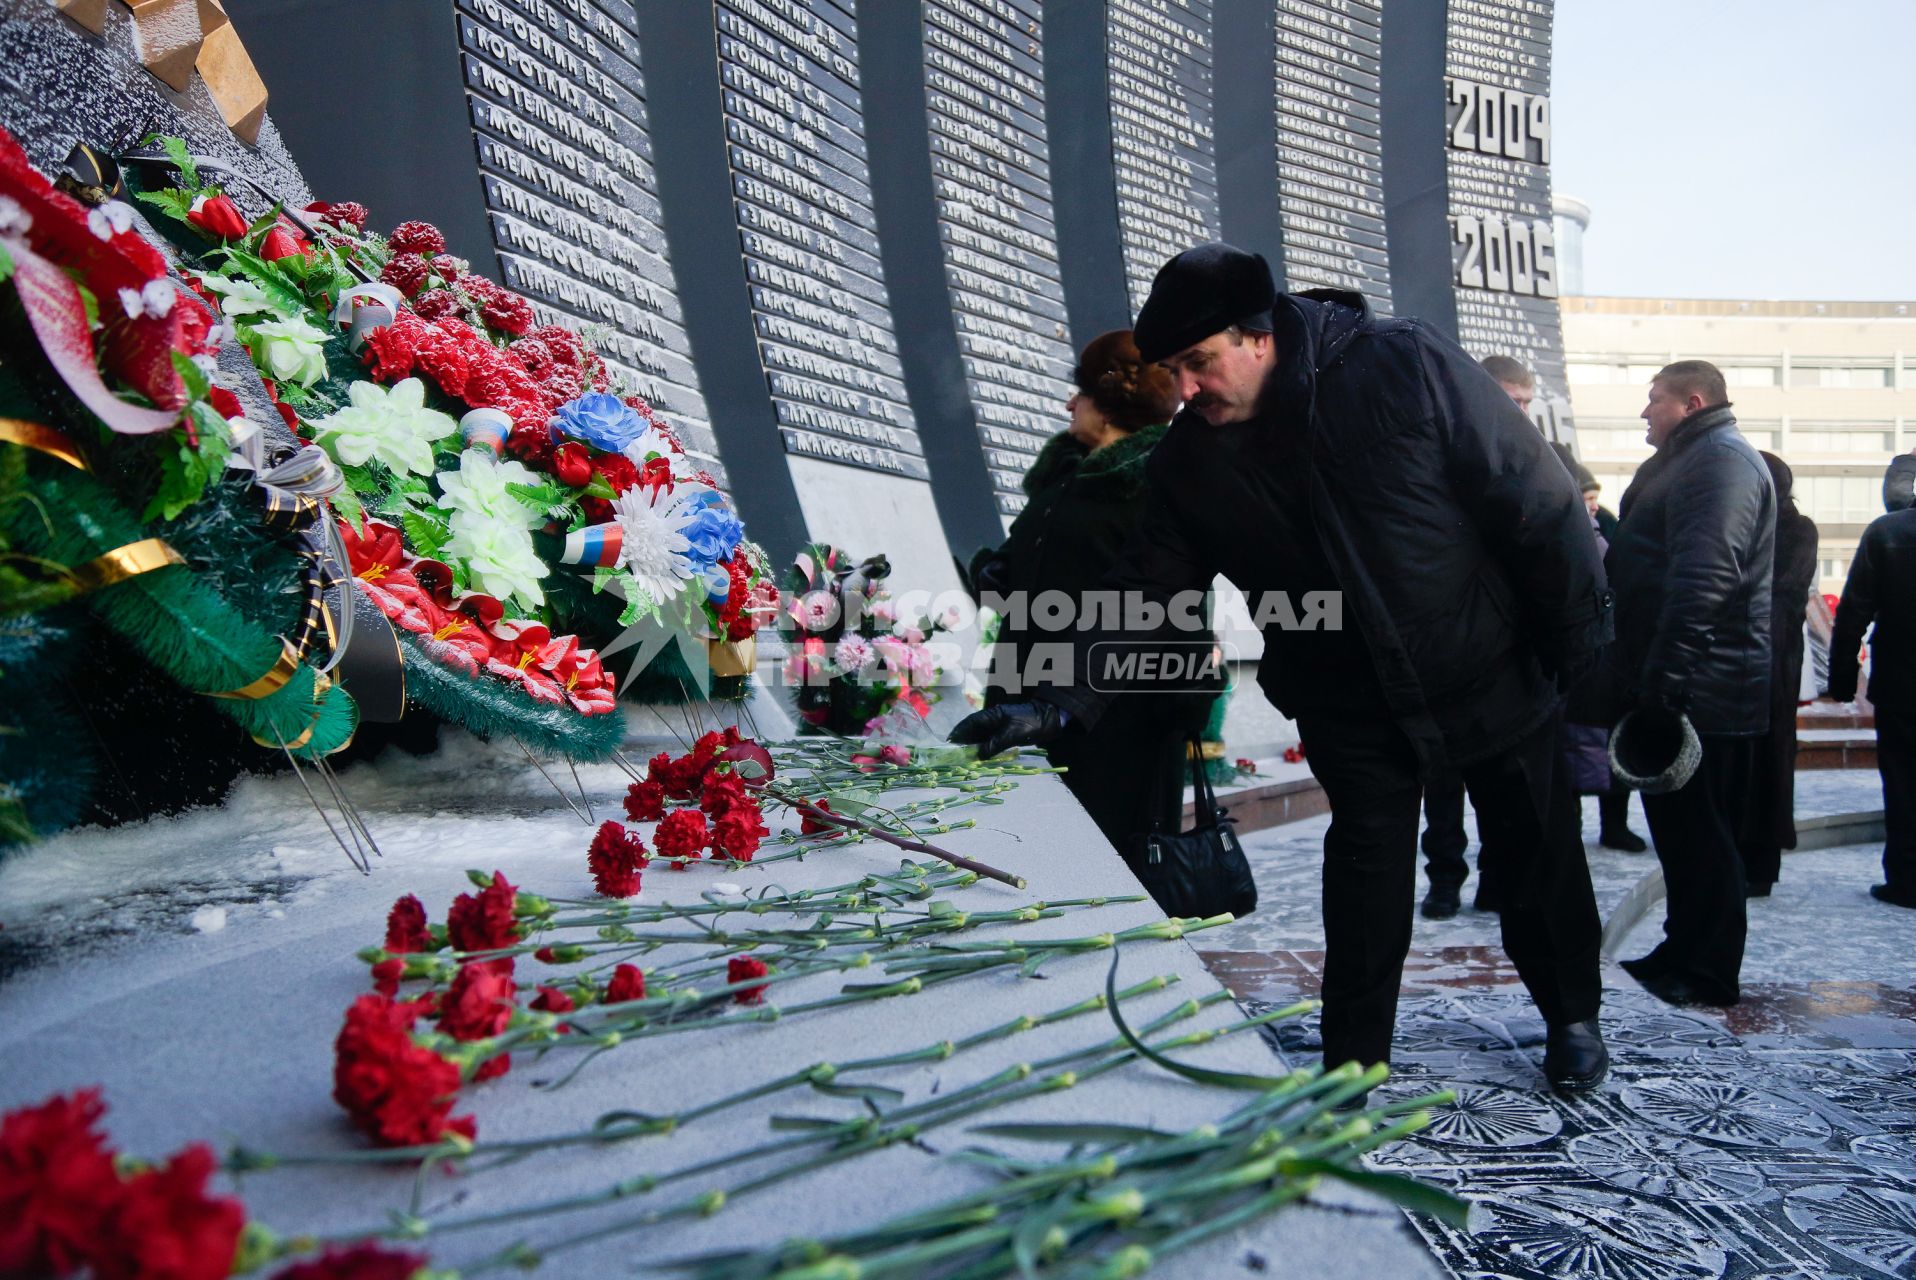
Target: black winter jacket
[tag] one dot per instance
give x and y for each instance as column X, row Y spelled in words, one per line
column 1691, row 566
column 1459, row 542
column 1881, row 589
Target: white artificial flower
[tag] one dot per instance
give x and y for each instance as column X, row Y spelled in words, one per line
column 390, row 424
column 240, row 296
column 854, row 654
column 110, row 219
column 293, row 351
column 498, row 557
column 479, row 487
column 647, row 442
column 14, row 220
column 154, row 299
column 655, row 546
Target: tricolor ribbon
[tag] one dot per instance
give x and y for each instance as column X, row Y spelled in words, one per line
column 597, row 546
column 366, row 307
column 485, row 429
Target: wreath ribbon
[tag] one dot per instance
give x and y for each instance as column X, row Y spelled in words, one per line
column 38, row 436
column 121, row 563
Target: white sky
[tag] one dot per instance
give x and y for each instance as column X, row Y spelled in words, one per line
column 1740, row 148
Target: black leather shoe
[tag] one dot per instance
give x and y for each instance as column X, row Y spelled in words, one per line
column 1894, row 896
column 1646, row 967
column 1441, row 903
column 1758, row 888
column 1574, row 1058
column 1672, row 988
column 1624, row 841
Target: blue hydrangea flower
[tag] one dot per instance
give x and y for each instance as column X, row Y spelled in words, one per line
column 600, row 419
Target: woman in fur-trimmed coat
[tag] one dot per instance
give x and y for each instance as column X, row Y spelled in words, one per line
column 1085, row 495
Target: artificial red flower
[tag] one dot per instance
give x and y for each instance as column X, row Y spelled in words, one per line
column 447, row 267
column 484, row 922
column 478, row 1005
column 436, row 304
column 656, row 474
column 283, row 241
column 572, row 464
column 516, row 659
column 225, row 403
column 391, row 350
column 417, row 237
column 501, row 308
column 444, row 360
column 645, row 801
column 618, row 471
column 681, row 834
column 398, row 1092
column 561, row 384
column 808, row 825
column 217, row 215
column 562, row 343
column 346, row 213
column 743, row 969
column 165, row 1227
column 387, row 975
column 737, row 832
column 628, row 983
column 615, row 858
column 406, row 272
column 533, row 355
column 357, row 1262
column 57, row 1183
column 406, row 926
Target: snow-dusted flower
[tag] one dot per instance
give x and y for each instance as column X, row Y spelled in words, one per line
column 854, row 654
column 14, row 221
column 391, row 424
column 498, row 556
column 292, row 351
column 240, row 296
column 479, row 487
column 656, row 548
column 110, row 219
column 154, row 299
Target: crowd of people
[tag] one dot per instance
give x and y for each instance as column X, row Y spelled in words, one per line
column 1498, row 632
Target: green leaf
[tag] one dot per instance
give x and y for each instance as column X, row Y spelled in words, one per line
column 260, row 225
column 175, row 204
column 287, row 300
column 540, row 497
column 1223, row 1079
column 6, row 264
column 1406, row 1193
column 177, row 152
column 426, row 534
column 195, row 379
column 346, row 502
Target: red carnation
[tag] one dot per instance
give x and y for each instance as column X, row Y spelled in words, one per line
column 645, row 801
column 628, row 983
column 737, row 832
column 219, row 216
column 436, row 304
column 165, row 1226
column 597, row 510
column 615, row 859
column 417, row 237
column 484, row 922
column 560, row 384
column 447, row 267
column 398, row 1092
column 560, row 341
column 618, row 471
column 534, row 446
column 808, row 825
column 406, row 926
column 406, row 272
column 357, row 1262
column 56, row 1183
column 721, row 792
column 681, row 834
column 477, row 1006
column 534, row 356
column 553, row 1000
column 391, row 350
column 742, row 969
column 442, row 360
column 572, row 463
column 345, row 213
column 388, row 974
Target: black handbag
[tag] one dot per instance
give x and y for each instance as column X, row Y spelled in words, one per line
column 1203, row 871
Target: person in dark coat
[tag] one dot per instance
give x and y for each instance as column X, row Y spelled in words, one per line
column 1085, row 494
column 1770, row 813
column 1422, row 574
column 1880, row 593
column 1692, row 566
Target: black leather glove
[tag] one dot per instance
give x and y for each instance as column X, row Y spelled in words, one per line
column 1012, row 724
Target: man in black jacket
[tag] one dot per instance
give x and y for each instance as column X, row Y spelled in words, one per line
column 1881, row 590
column 1322, row 450
column 1691, row 566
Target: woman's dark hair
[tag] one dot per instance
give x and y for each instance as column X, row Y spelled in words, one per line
column 1127, row 391
column 1782, row 477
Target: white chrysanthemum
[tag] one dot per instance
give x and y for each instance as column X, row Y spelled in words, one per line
column 647, row 442
column 292, row 351
column 480, row 487
column 390, row 424
column 498, row 557
column 655, row 545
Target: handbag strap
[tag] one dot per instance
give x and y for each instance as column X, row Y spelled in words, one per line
column 1205, row 799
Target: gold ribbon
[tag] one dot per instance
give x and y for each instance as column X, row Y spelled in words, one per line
column 272, row 682
column 34, row 435
column 121, row 563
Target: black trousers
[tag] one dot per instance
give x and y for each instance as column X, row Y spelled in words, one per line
column 1694, row 830
column 1896, row 761
column 1444, row 839
column 1527, row 823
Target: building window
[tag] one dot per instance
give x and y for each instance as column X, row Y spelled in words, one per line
column 1751, row 375
column 1833, row 438
column 1840, row 499
column 1854, row 377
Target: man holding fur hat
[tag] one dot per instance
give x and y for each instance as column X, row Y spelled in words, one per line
column 1323, row 452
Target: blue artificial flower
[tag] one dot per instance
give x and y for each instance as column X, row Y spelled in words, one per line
column 600, row 419
column 714, row 532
